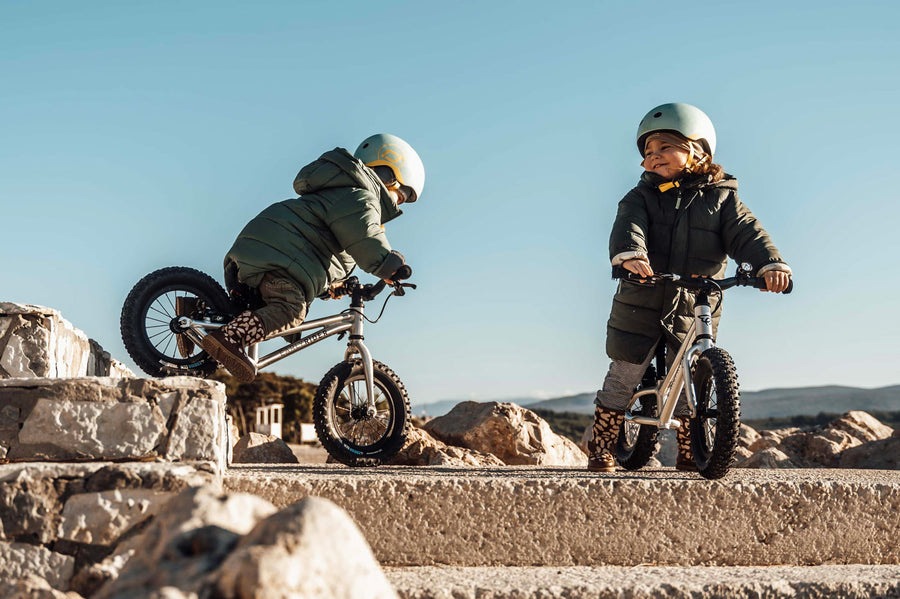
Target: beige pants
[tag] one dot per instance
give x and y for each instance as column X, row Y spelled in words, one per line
column 286, row 306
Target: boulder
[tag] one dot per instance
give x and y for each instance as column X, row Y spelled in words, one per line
column 770, row 457
column 514, row 434
column 747, row 436
column 189, row 538
column 421, row 449
column 883, row 454
column 38, row 342
column 861, row 425
column 309, row 549
column 256, row 448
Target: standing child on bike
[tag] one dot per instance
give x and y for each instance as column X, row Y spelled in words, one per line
column 683, row 217
column 296, row 250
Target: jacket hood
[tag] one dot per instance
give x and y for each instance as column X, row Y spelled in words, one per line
column 690, row 181
column 339, row 168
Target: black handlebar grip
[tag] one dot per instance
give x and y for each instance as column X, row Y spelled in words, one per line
column 404, row 272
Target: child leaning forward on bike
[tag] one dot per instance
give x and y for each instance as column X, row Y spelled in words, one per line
column 299, row 249
column 683, row 217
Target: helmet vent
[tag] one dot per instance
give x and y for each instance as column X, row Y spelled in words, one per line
column 657, row 115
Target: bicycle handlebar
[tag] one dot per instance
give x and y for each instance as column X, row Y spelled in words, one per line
column 704, row 284
column 366, row 293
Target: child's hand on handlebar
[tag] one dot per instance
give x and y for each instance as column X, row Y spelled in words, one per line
column 776, row 280
column 638, row 266
column 336, row 290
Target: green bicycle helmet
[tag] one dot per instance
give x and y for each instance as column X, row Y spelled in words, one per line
column 384, row 149
column 689, row 121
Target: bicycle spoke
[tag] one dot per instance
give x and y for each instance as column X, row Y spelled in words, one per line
column 159, row 311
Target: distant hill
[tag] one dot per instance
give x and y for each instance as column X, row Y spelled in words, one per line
column 769, row 403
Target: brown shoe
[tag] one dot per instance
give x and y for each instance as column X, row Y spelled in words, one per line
column 601, row 461
column 230, row 355
column 185, row 306
column 684, row 460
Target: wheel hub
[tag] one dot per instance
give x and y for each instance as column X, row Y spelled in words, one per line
column 360, row 413
column 175, row 325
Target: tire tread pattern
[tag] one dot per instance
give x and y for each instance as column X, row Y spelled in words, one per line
column 717, row 363
column 131, row 322
column 331, row 385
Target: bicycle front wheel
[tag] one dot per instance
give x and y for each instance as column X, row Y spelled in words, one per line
column 349, row 431
column 716, row 428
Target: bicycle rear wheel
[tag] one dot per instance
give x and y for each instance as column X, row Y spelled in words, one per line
column 346, row 429
column 637, row 442
column 716, row 427
column 148, row 320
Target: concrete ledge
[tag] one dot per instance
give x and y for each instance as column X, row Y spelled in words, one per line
column 530, row 516
column 645, row 581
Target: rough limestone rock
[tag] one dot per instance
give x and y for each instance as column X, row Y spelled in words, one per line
column 769, row 457
column 883, row 454
column 189, row 538
column 861, row 425
column 83, row 510
column 822, row 447
column 421, row 449
column 105, row 418
column 747, row 436
column 101, row 518
column 32, row 587
column 38, row 342
column 308, row 549
column 514, row 434
column 92, row 576
column 256, row 448
column 18, row 560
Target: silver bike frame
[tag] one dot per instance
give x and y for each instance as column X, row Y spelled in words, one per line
column 699, row 338
column 350, row 320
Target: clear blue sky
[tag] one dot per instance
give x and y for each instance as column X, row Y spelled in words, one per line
column 142, row 135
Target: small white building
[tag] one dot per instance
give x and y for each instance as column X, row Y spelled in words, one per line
column 269, row 419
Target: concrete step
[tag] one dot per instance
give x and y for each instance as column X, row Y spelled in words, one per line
column 531, row 516
column 772, row 582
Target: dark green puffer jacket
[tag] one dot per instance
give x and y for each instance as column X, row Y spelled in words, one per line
column 319, row 237
column 688, row 230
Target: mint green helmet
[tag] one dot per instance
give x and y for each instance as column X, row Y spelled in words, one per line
column 384, row 149
column 687, row 120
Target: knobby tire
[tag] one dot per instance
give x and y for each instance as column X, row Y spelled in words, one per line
column 329, row 401
column 140, row 301
column 715, row 371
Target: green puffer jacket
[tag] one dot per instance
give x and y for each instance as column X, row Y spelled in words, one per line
column 687, row 230
column 319, row 237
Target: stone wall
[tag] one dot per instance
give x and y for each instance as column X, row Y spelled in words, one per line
column 38, row 342
column 175, row 419
column 61, row 520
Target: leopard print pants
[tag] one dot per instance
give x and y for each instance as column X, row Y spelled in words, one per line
column 246, row 329
column 605, row 431
column 683, row 439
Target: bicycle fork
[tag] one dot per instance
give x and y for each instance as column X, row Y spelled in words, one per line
column 355, row 346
